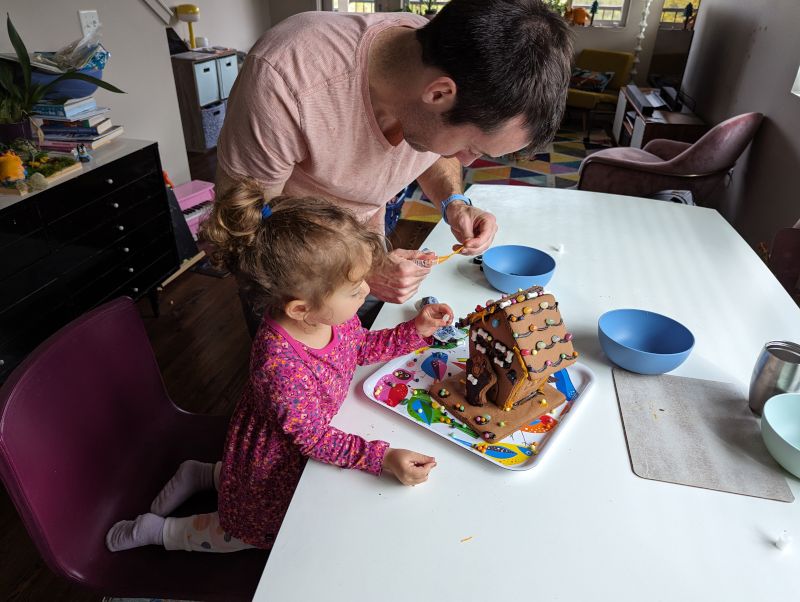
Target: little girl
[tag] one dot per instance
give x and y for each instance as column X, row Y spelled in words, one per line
column 307, row 261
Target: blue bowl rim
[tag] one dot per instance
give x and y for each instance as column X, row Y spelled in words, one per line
column 647, row 353
column 765, row 418
column 525, row 247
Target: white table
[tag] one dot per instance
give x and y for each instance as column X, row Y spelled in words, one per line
column 580, row 526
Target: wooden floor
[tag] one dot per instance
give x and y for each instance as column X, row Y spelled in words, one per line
column 202, row 347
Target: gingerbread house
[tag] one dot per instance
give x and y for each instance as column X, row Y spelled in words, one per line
column 515, row 345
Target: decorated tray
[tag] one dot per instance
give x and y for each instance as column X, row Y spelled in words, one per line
column 402, row 386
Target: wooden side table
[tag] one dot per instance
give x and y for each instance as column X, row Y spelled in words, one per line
column 633, row 128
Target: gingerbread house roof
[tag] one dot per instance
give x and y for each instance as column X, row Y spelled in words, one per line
column 531, row 317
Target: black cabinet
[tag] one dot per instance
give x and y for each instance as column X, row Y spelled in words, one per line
column 101, row 234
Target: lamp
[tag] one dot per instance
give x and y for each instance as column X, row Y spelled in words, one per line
column 796, row 85
column 188, row 13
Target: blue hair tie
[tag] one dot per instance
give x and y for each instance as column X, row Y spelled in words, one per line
column 266, row 211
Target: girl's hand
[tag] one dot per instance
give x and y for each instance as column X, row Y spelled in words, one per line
column 408, row 466
column 432, row 317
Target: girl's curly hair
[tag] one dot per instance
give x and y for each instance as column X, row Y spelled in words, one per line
column 306, row 249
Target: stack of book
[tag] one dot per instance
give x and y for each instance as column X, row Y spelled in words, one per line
column 76, row 121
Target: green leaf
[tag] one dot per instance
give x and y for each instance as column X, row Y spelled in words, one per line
column 22, row 52
column 35, row 94
column 87, row 78
column 7, row 81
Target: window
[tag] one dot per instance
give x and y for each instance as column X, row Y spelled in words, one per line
column 672, row 14
column 371, row 6
column 421, row 6
column 610, row 13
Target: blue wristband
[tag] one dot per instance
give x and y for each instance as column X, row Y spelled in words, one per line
column 450, row 199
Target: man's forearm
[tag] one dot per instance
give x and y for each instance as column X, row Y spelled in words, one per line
column 441, row 179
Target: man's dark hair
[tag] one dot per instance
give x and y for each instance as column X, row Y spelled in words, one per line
column 507, row 58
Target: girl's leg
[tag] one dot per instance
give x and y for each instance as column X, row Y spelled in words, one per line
column 199, row 533
column 144, row 530
column 192, row 476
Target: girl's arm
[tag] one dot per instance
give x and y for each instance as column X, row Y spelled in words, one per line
column 294, row 395
column 382, row 345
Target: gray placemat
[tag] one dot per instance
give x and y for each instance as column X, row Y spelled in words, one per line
column 696, row 432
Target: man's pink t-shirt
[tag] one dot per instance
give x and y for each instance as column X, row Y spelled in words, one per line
column 300, row 115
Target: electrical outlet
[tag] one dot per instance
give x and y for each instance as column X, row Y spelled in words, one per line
column 89, row 21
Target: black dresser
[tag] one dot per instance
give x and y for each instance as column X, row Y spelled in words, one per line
column 103, row 233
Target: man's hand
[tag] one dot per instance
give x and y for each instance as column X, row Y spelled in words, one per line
column 399, row 277
column 408, row 466
column 474, row 228
column 432, row 317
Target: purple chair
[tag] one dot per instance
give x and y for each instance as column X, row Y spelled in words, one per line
column 88, row 436
column 670, row 165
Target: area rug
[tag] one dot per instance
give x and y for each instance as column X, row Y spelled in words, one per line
column 557, row 167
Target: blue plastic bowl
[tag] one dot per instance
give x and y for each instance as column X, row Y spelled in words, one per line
column 509, row 268
column 68, row 88
column 643, row 341
column 780, row 428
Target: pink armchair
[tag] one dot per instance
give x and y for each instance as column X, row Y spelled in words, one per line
column 671, row 165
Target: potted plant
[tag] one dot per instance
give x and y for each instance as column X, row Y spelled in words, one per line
column 18, row 93
column 430, row 10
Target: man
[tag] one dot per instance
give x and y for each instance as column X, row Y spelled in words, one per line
column 355, row 107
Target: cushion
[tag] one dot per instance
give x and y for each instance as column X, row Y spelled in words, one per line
column 590, row 81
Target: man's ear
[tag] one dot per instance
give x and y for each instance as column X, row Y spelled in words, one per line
column 296, row 309
column 440, row 94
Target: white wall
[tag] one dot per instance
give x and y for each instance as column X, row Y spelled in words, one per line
column 139, row 64
column 744, row 57
column 232, row 23
column 281, row 9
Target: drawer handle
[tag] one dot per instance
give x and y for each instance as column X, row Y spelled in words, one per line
column 130, row 270
column 115, row 205
column 109, row 181
column 120, row 228
column 135, row 289
column 228, row 64
column 207, row 69
column 126, row 250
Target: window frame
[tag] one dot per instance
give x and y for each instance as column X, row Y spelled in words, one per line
column 620, row 23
